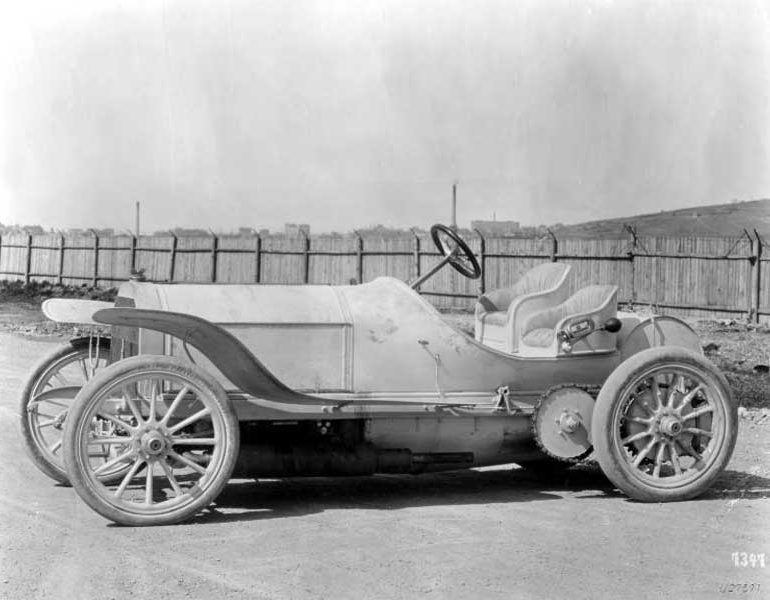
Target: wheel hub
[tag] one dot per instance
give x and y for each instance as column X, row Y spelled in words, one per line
column 670, row 425
column 153, row 443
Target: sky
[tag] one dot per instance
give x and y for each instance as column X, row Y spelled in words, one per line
column 348, row 114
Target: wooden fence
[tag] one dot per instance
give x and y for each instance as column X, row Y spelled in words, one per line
column 690, row 276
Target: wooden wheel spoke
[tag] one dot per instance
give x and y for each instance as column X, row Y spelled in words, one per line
column 688, row 450
column 109, row 441
column 193, row 441
column 175, row 404
column 148, row 485
column 129, row 476
column 676, row 385
column 641, row 420
column 35, row 402
column 132, row 406
column 115, row 461
column 698, row 431
column 674, row 459
column 186, row 461
column 61, row 378
column 119, row 422
column 153, row 400
column 656, row 394
column 83, row 368
column 190, row 420
column 47, row 423
column 643, row 454
column 698, row 413
column 659, row 459
column 689, row 396
column 171, row 479
column 635, row 437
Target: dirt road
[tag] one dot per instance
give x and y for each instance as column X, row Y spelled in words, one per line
column 501, row 533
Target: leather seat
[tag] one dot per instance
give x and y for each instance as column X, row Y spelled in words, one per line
column 586, row 310
column 500, row 313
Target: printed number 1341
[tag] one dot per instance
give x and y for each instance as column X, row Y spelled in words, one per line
column 745, row 559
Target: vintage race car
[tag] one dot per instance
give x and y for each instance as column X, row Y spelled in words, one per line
column 199, row 383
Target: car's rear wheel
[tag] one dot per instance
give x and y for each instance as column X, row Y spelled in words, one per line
column 664, row 425
column 47, row 395
column 183, row 440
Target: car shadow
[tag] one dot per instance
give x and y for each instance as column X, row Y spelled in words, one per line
column 738, row 484
column 248, row 500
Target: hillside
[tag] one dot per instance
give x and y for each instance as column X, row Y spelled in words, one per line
column 715, row 220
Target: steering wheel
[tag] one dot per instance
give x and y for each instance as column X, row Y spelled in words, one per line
column 457, row 252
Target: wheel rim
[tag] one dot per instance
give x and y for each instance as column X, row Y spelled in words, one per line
column 52, row 395
column 670, row 425
column 176, row 448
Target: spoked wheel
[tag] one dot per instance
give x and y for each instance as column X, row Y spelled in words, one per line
column 664, row 425
column 47, row 395
column 183, row 440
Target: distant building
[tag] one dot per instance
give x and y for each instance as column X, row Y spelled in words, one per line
column 182, row 232
column 295, row 230
column 497, row 227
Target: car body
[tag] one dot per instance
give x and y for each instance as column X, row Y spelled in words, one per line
column 350, row 380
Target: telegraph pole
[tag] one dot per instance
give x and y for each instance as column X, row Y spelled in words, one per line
column 454, row 206
column 137, row 219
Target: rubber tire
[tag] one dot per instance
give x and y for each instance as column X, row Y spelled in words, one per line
column 613, row 465
column 77, row 345
column 83, row 484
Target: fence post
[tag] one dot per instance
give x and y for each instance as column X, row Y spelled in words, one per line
column 305, row 257
column 28, row 267
column 132, row 268
column 359, row 257
column 172, row 265
column 61, row 259
column 752, row 261
column 554, row 245
column 214, row 250
column 258, row 259
column 416, row 254
column 758, row 278
column 631, row 252
column 95, row 275
column 483, row 257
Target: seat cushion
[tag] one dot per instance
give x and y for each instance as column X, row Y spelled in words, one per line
column 540, row 338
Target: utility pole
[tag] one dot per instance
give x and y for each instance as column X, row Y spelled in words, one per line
column 137, row 219
column 454, row 206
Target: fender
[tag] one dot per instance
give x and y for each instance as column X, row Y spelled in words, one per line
column 73, row 310
column 229, row 355
column 661, row 330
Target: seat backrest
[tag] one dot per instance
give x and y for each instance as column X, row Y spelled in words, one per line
column 538, row 279
column 588, row 300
